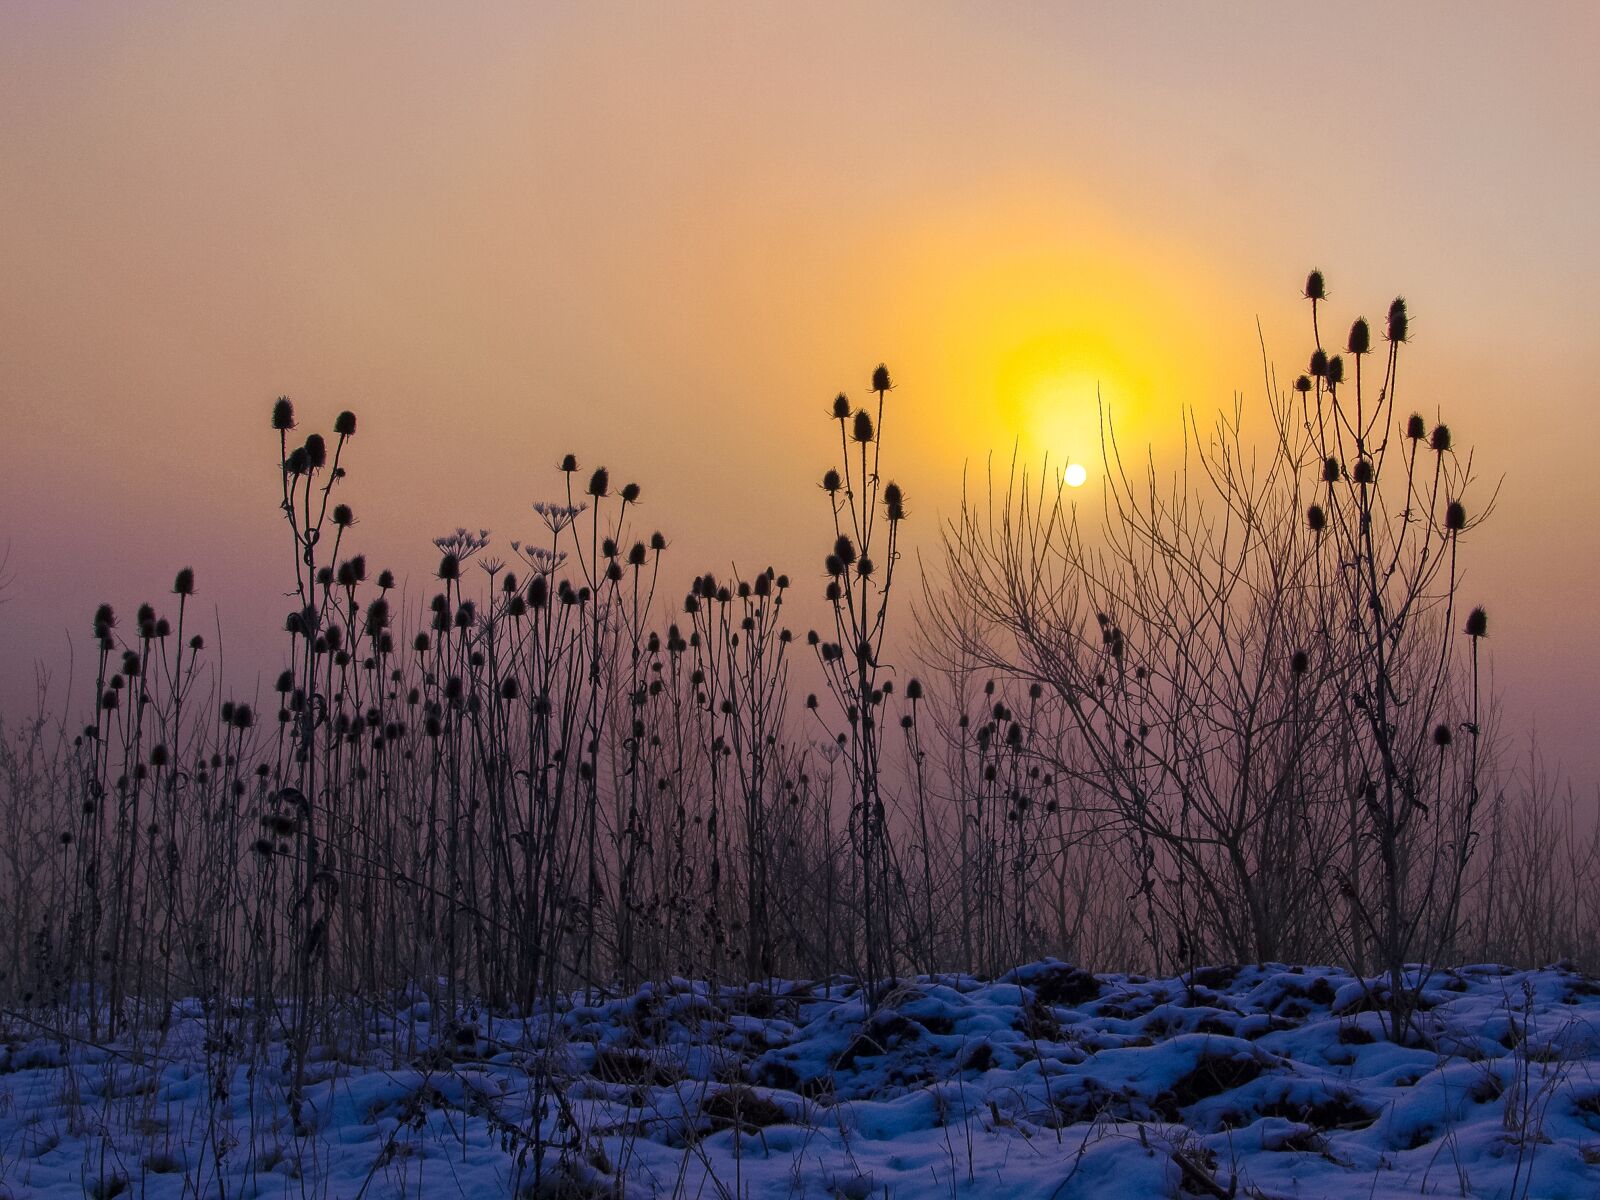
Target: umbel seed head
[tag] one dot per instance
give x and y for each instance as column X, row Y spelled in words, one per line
column 1316, row 287
column 283, row 414
column 1477, row 623
column 345, row 424
column 880, row 379
column 1360, row 337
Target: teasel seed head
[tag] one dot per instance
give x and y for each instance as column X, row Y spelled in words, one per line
column 1319, row 364
column 343, row 516
column 1316, row 518
column 1455, row 516
column 1362, row 472
column 894, row 502
column 599, row 483
column 1439, row 439
column 841, row 407
column 880, row 379
column 844, row 550
column 1399, row 321
column 1330, row 470
column 1316, row 287
column 1302, row 384
column 630, row 493
column 183, row 583
column 316, row 452
column 1442, row 736
column 569, row 464
column 1360, row 337
column 345, row 424
column 831, row 482
column 861, row 431
column 1416, row 427
column 282, row 414
column 1335, row 371
column 1477, row 623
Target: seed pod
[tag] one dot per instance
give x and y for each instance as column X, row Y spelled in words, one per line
column 1399, row 321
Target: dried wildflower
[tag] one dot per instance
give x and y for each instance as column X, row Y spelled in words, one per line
column 183, row 583
column 1439, row 440
column 1399, row 321
column 283, row 414
column 880, row 379
column 345, row 424
column 1477, row 623
column 861, row 431
column 1360, row 340
column 841, row 407
column 1316, row 287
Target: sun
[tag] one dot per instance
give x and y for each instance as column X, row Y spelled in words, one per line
column 1076, row 475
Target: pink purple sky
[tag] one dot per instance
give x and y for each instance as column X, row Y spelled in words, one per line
column 662, row 236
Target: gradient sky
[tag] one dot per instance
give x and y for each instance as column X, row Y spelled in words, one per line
column 662, row 237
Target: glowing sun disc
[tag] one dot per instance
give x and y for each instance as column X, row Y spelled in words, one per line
column 1076, row 475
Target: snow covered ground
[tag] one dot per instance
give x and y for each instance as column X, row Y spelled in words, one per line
column 1048, row 1083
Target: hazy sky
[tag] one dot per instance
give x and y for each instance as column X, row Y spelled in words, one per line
column 661, row 237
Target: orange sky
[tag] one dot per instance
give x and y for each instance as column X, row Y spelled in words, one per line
column 663, row 236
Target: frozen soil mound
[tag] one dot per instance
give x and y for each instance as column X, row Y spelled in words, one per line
column 1048, row 1082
